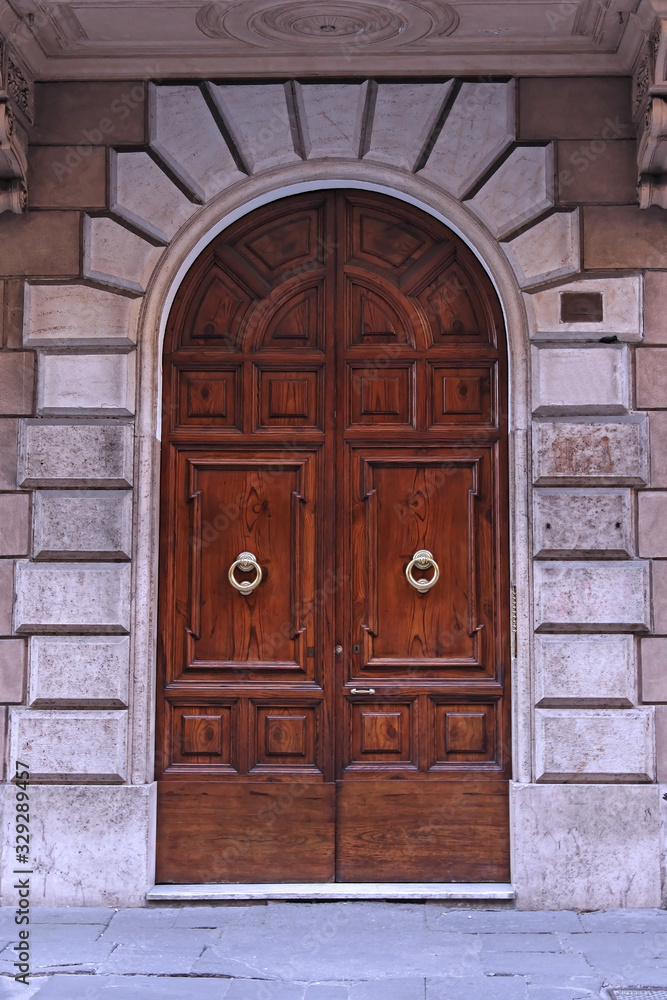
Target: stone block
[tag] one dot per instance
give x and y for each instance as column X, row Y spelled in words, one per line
column 143, row 195
column 14, row 524
column 78, row 315
column 519, row 190
column 257, row 118
column 185, row 135
column 597, row 171
column 71, row 598
column 571, row 851
column 478, row 129
column 652, row 520
column 6, row 595
column 63, row 746
column 654, row 670
column 661, row 742
column 11, row 303
column 107, row 829
column 588, row 671
column 576, row 108
column 579, row 452
column 8, row 453
column 651, row 378
column 579, row 524
column 12, row 670
column 79, row 671
column 64, row 453
column 90, row 384
column 548, row 250
column 83, row 524
column 115, row 256
column 624, row 236
column 17, row 376
column 655, row 307
column 592, row 597
column 332, row 119
column 404, row 118
column 42, row 244
column 658, row 436
column 89, row 113
column 595, row 745
column 67, row 177
column 659, row 596
column 586, row 380
column 621, row 310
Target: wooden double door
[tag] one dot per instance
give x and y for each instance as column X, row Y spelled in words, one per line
column 333, row 656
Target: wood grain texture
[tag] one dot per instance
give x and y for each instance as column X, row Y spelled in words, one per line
column 335, row 399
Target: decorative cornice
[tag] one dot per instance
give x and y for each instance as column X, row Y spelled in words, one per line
column 649, row 109
column 16, row 117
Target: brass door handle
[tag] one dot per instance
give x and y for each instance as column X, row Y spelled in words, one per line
column 362, row 691
column 422, row 559
column 247, row 561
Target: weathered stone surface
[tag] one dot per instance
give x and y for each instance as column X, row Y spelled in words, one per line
column 576, row 524
column 661, row 742
column 70, row 746
column 651, row 378
column 91, row 384
column 17, row 378
column 332, row 119
column 92, row 113
column 42, row 244
column 518, row 191
column 186, row 136
column 659, row 595
column 142, row 194
column 6, row 595
column 257, row 118
column 72, row 598
column 585, row 670
column 655, row 307
column 12, row 670
column 8, row 453
column 62, row 453
column 109, row 830
column 79, row 671
column 592, row 597
column 11, row 304
column 404, row 118
column 14, row 524
column 585, row 380
column 66, row 177
column 477, row 130
column 624, row 236
column 83, row 524
column 652, row 509
column 580, row 452
column 115, row 256
column 621, row 310
column 595, row 746
column 549, row 249
column 577, row 108
column 68, row 315
column 568, row 853
column 658, row 437
column 597, row 171
column 654, row 669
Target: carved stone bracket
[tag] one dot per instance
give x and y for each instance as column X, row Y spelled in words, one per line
column 16, row 116
column 649, row 107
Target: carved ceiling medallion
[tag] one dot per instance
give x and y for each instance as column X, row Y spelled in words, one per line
column 305, row 22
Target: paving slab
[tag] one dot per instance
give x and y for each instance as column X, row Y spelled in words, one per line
column 558, row 966
column 327, row 991
column 624, row 921
column 478, row 988
column 246, row 989
column 503, row 921
column 71, row 914
column 219, row 916
column 172, row 951
column 66, row 948
column 522, row 942
column 130, row 988
column 389, row 989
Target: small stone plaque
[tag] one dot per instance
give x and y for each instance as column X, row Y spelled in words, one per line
column 581, row 307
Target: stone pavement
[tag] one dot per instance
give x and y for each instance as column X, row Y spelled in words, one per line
column 334, row 951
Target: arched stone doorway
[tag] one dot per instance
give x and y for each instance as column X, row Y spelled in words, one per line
column 335, row 394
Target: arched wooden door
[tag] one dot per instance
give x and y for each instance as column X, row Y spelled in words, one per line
column 334, row 405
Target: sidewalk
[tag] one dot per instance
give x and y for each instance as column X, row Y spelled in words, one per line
column 336, row 951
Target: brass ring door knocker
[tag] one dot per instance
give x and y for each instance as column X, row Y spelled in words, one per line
column 246, row 561
column 422, row 559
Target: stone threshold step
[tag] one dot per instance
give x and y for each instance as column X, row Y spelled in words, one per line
column 473, row 891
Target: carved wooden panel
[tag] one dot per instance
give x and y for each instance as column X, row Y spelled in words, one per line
column 203, row 734
column 385, row 240
column 382, row 395
column 376, row 318
column 216, row 311
column 455, row 310
column 382, row 736
column 209, row 398
column 465, row 732
column 286, row 736
column 462, row 395
column 279, row 247
column 290, row 318
column 288, row 398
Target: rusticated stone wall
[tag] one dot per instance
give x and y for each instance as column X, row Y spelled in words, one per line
column 546, row 168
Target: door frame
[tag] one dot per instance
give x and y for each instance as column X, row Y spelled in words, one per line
column 220, row 213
